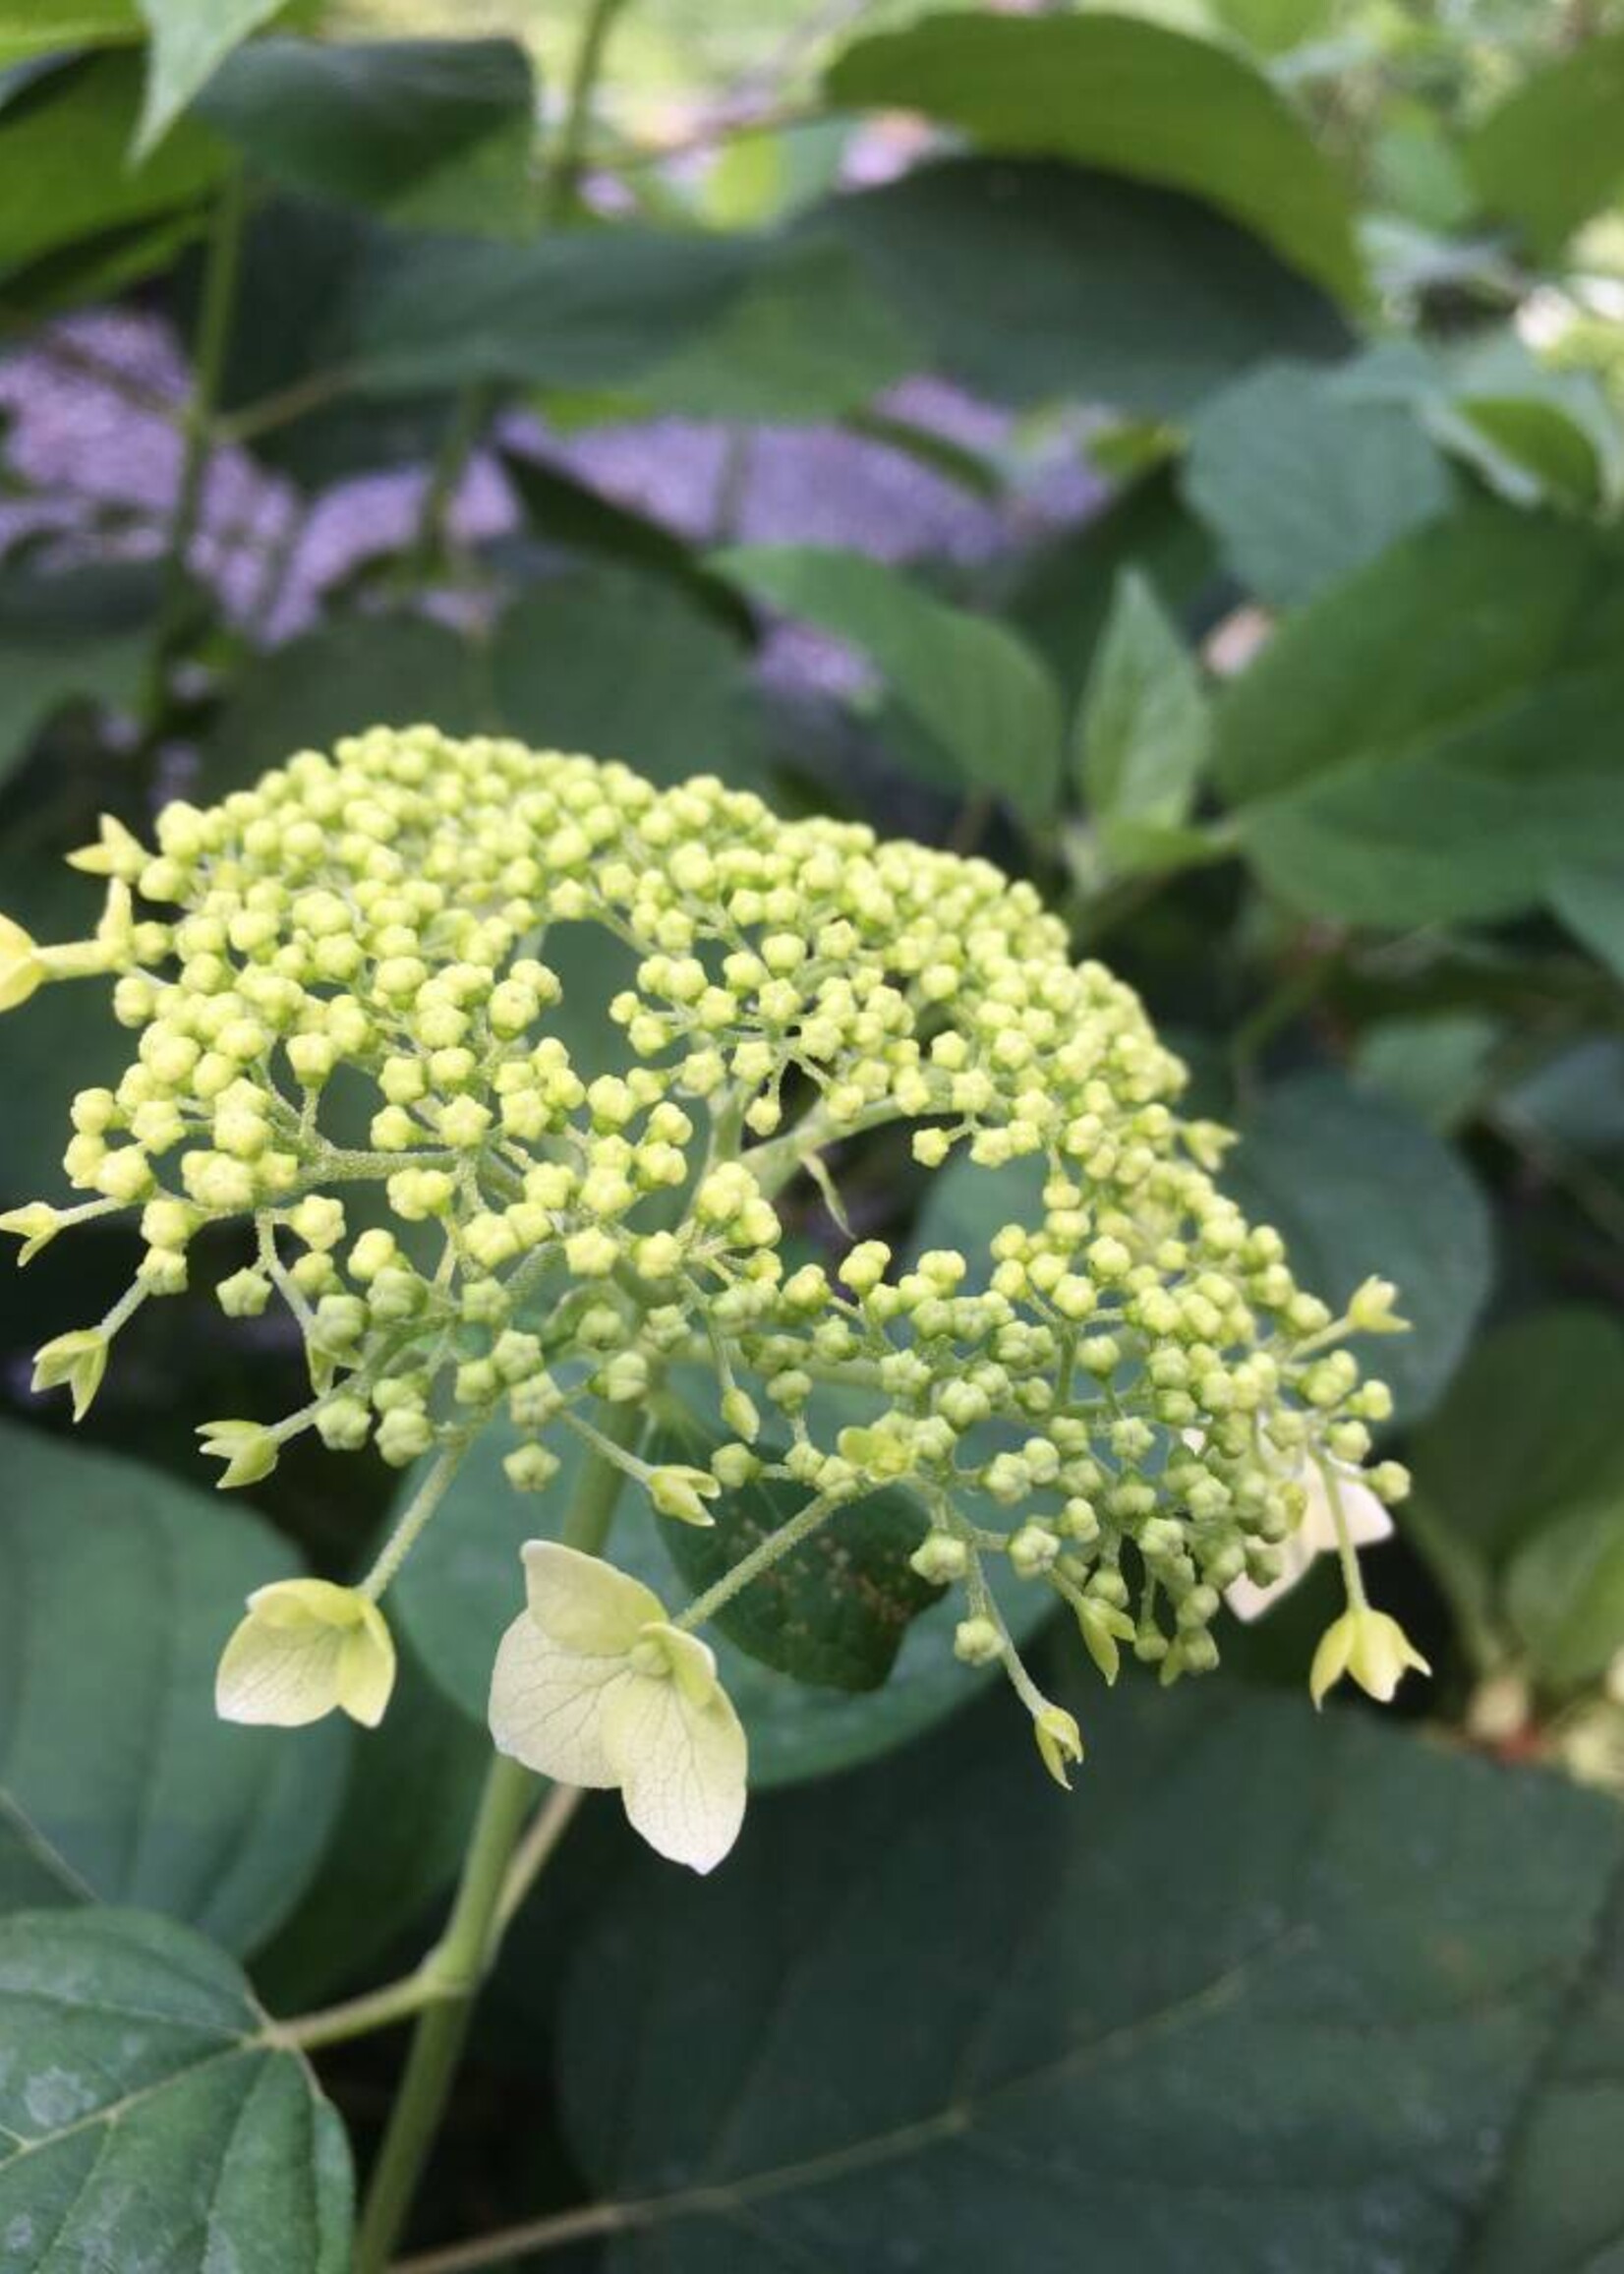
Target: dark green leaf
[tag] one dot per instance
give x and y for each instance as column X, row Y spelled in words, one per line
column 1356, row 1185
column 144, row 2120
column 432, row 134
column 1388, row 776
column 974, row 684
column 408, row 1806
column 1127, row 95
column 1063, row 597
column 1565, row 1592
column 64, row 161
column 566, row 511
column 714, row 326
column 836, row 1609
column 809, row 338
column 118, row 1587
column 1590, row 902
column 615, row 663
column 1030, row 280
column 1263, row 1992
column 1142, row 730
column 298, row 267
column 1550, row 155
column 352, row 673
column 1437, row 1064
column 1536, row 435
column 1302, row 485
column 190, row 40
column 86, row 633
column 966, row 1205
column 1520, row 1477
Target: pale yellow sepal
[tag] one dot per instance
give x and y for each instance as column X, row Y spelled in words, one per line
column 116, row 853
column 594, row 1686
column 36, row 1225
column 22, row 964
column 1370, row 1309
column 79, row 1360
column 681, row 1492
column 307, row 1648
column 248, row 1448
column 1058, row 1741
column 1370, row 1646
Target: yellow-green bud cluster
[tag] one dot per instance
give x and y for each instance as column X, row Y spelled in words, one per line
column 1120, row 1397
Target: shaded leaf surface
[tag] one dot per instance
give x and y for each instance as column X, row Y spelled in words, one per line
column 1519, row 1484
column 408, row 1805
column 721, row 326
column 350, row 674
column 1387, row 776
column 143, row 2121
column 1302, row 485
column 613, row 661
column 1027, row 280
column 1127, row 95
column 430, row 133
column 836, row 1610
column 117, row 1590
column 986, row 698
column 1356, row 1185
column 1265, row 1992
column 83, row 633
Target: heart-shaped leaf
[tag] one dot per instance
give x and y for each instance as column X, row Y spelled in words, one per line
column 145, row 2119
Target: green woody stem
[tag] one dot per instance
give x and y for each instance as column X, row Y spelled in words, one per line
column 219, row 294
column 455, row 1969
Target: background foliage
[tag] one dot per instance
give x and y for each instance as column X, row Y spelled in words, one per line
column 1175, row 450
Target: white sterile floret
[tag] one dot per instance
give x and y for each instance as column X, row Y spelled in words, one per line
column 306, row 1649
column 594, row 1685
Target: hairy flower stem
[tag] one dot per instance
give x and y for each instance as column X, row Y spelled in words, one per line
column 452, row 1973
column 772, row 1550
column 404, row 1537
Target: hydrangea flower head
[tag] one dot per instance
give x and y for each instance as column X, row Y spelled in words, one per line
column 575, row 1171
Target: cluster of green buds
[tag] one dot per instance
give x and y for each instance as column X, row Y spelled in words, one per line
column 356, row 1055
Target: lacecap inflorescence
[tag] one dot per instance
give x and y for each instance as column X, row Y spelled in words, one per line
column 485, row 1193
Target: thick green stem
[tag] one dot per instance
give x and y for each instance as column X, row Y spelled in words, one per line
column 455, row 1966
column 569, row 152
column 492, row 1882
